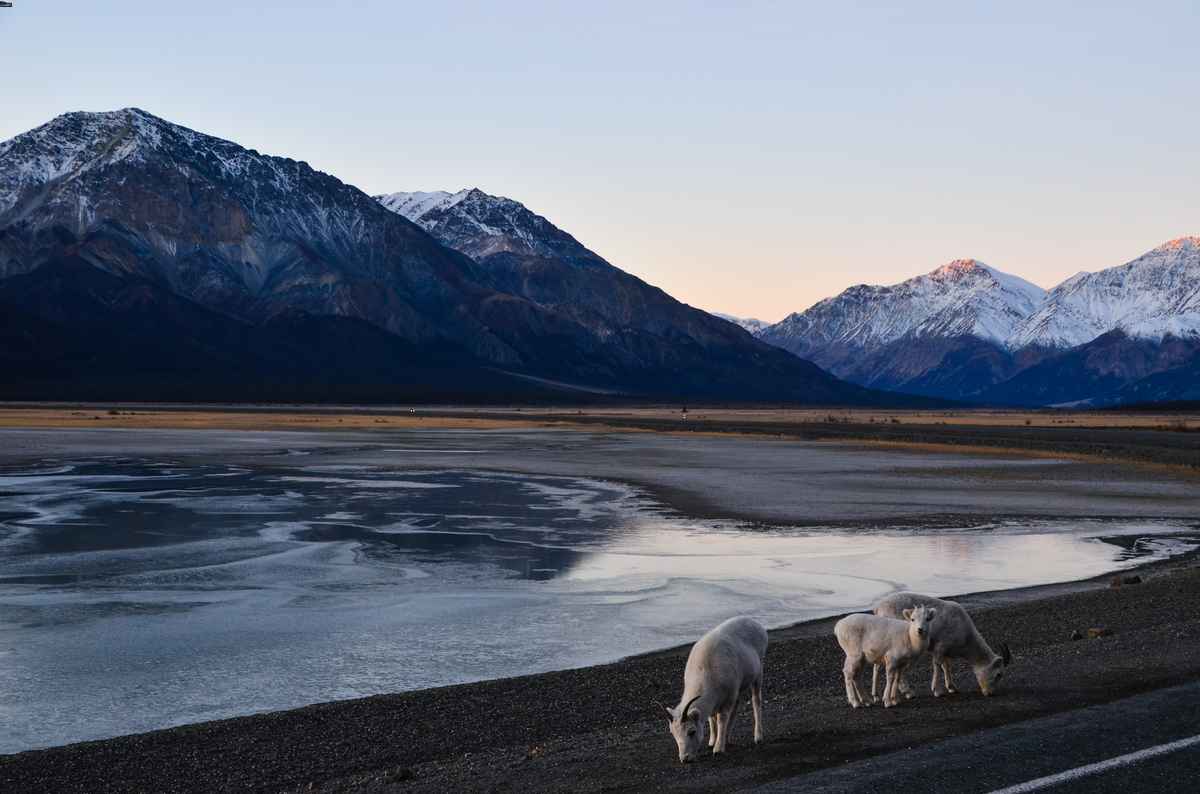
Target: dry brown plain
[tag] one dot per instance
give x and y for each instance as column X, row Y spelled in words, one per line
column 347, row 417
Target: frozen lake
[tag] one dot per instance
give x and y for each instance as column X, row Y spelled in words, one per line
column 142, row 585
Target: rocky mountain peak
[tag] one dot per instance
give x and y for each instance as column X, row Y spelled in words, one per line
column 1188, row 243
column 47, row 164
column 960, row 267
column 964, row 297
column 480, row 225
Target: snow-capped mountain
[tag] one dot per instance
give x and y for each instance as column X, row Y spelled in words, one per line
column 1155, row 295
column 962, row 298
column 234, row 230
column 131, row 245
column 523, row 253
column 968, row 331
column 749, row 323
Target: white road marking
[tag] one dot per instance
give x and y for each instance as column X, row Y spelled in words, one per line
column 1098, row 767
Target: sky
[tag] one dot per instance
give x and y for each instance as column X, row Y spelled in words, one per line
column 749, row 157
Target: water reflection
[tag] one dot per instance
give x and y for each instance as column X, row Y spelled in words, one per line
column 184, row 592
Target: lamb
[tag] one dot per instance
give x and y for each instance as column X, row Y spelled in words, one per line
column 720, row 668
column 894, row 643
column 952, row 636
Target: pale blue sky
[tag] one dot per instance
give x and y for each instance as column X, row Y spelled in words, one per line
column 747, row 157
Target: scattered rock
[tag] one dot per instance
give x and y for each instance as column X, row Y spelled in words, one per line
column 1077, row 634
column 1098, row 631
column 1133, row 579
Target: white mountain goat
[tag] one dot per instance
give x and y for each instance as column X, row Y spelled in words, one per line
column 725, row 663
column 952, row 636
column 879, row 640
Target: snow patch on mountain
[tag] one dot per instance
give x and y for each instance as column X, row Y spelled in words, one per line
column 479, row 224
column 416, row 205
column 75, row 144
column 749, row 323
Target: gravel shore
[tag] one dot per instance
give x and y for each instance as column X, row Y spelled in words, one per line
column 596, row 729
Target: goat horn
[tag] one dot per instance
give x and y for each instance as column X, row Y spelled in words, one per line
column 1006, row 654
column 683, row 712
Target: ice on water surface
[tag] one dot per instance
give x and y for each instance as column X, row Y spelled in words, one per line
column 137, row 593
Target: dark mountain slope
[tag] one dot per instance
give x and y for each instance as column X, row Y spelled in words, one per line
column 1176, row 385
column 1096, row 372
column 71, row 331
column 660, row 344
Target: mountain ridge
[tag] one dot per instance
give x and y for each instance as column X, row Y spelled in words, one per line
column 523, row 253
column 965, row 329
column 964, row 296
column 253, row 238
column 1155, row 295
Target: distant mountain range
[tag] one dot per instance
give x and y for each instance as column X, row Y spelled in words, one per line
column 969, row 332
column 749, row 323
column 143, row 260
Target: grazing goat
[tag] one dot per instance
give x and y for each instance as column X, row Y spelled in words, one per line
column 725, row 663
column 952, row 636
column 879, row 640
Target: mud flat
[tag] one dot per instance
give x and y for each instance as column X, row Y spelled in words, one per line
column 749, row 472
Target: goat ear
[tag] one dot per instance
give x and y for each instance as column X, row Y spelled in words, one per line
column 667, row 709
column 907, row 614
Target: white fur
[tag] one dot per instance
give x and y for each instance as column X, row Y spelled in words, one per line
column 880, row 640
column 952, row 636
column 722, row 666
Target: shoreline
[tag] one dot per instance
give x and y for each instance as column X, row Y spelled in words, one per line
column 979, row 599
column 427, row 739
